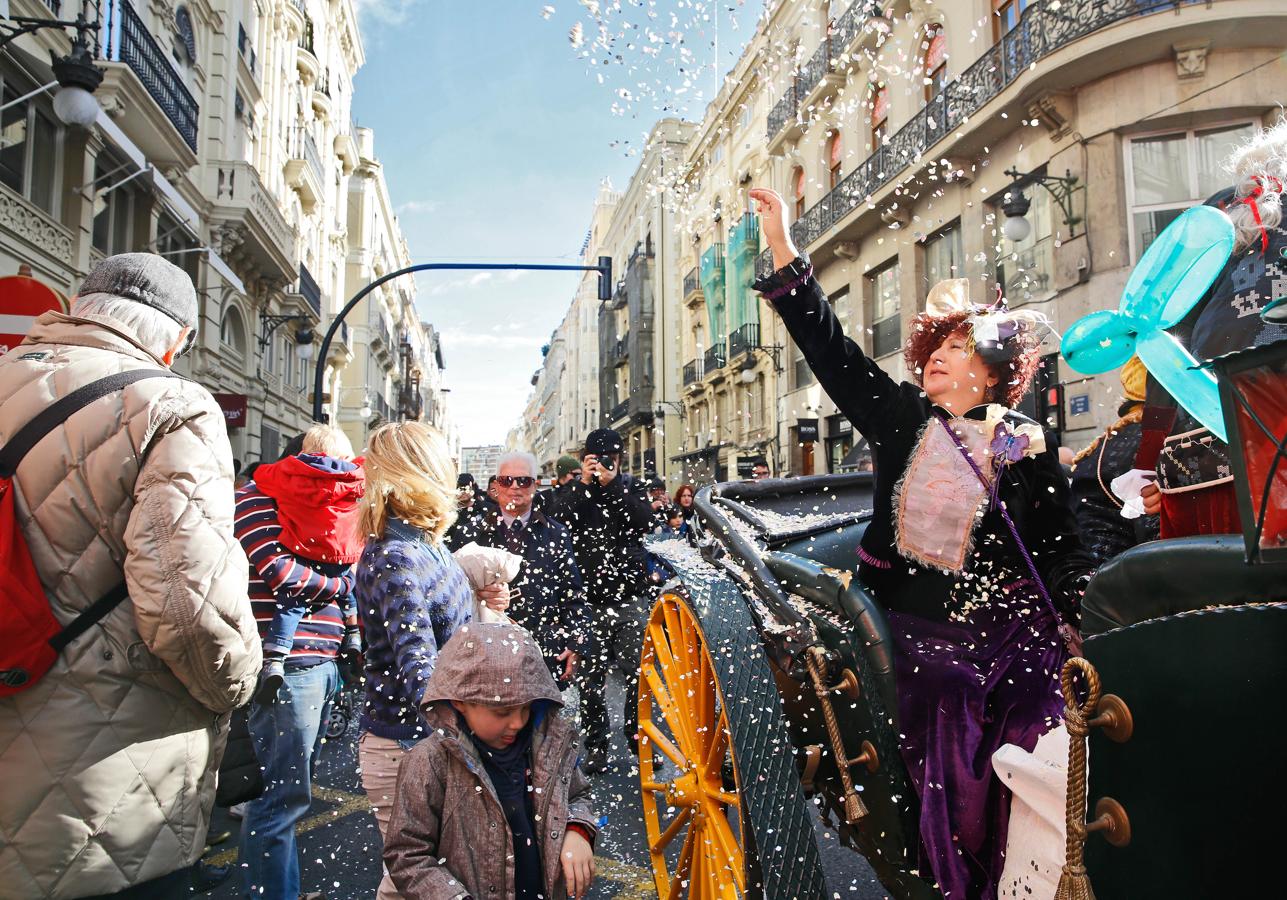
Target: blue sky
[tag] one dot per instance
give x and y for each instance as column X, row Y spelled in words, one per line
column 494, row 137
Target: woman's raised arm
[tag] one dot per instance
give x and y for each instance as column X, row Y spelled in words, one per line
column 861, row 389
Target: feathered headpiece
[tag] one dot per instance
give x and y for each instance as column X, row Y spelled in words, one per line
column 997, row 333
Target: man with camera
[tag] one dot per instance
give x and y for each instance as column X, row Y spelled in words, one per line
column 608, row 514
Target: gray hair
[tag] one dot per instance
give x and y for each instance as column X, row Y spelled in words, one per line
column 522, row 456
column 1260, row 164
column 156, row 331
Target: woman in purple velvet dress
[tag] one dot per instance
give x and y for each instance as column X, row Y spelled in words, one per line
column 972, row 548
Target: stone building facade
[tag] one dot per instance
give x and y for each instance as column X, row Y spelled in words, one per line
column 223, row 141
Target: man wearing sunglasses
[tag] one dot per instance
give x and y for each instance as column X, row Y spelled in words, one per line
column 546, row 598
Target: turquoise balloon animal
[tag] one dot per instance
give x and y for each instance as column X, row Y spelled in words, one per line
column 1172, row 275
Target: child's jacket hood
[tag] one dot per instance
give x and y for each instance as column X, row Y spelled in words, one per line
column 492, row 665
column 317, row 504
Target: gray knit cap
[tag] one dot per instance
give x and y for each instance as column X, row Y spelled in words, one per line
column 148, row 279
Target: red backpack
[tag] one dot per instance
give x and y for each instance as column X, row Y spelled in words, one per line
column 33, row 637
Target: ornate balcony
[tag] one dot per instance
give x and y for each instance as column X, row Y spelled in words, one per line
column 248, row 217
column 303, row 169
column 692, row 372
column 125, row 39
column 1042, row 30
column 619, row 412
column 743, row 339
column 714, row 361
column 309, row 289
column 692, row 287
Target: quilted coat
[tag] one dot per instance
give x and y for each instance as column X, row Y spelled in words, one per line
column 448, row 838
column 107, row 765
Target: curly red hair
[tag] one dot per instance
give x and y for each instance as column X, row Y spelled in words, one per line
column 928, row 334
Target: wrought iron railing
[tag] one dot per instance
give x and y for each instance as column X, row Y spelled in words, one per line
column 1042, row 29
column 691, row 283
column 309, row 289
column 619, row 411
column 125, row 39
column 324, row 83
column 714, row 359
column 692, row 372
column 743, row 339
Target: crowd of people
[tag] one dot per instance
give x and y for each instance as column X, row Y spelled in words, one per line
column 249, row 601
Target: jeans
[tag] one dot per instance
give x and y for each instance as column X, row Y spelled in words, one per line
column 281, row 630
column 617, row 642
column 287, row 734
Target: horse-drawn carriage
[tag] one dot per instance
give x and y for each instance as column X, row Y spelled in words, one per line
column 768, row 680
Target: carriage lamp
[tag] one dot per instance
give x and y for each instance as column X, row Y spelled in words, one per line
column 1253, row 397
column 304, row 344
column 75, row 74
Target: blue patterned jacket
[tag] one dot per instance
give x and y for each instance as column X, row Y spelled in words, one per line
column 412, row 596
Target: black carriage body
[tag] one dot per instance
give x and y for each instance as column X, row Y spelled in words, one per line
column 788, row 547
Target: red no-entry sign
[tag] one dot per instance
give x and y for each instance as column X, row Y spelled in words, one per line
column 22, row 301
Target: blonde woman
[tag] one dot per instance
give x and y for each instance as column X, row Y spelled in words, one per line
column 412, row 595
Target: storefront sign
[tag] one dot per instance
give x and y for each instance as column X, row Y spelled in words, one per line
column 806, row 430
column 234, row 409
column 22, row 301
column 745, row 466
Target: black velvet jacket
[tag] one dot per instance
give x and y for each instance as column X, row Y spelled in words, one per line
column 891, row 416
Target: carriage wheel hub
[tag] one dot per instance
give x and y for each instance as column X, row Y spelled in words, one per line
column 683, row 791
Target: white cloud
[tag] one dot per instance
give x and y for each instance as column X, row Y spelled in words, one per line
column 386, row 12
column 457, row 338
column 417, row 207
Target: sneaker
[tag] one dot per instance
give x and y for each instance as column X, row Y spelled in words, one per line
column 596, row 761
column 206, row 878
column 270, row 680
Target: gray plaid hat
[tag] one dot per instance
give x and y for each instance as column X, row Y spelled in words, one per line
column 148, row 279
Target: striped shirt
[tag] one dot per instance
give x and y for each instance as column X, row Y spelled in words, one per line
column 278, row 577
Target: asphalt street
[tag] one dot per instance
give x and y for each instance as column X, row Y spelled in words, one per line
column 340, row 848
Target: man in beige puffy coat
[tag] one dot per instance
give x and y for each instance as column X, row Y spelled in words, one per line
column 107, row 764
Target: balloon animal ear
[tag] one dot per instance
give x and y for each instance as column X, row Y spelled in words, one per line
column 1168, row 281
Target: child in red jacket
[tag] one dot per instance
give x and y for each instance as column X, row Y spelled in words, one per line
column 317, row 495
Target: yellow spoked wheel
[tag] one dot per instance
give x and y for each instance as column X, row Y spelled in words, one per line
column 694, row 823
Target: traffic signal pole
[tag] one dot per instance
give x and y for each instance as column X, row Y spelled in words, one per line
column 604, row 268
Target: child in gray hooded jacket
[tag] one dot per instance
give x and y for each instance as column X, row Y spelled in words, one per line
column 493, row 802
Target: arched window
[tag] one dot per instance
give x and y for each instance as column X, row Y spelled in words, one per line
column 185, row 51
column 232, row 331
column 797, row 187
column 934, row 60
column 833, row 159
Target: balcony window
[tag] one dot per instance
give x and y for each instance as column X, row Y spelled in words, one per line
column 1025, row 269
column 798, row 187
column 834, row 158
column 879, row 116
column 1168, row 173
column 114, row 210
column 29, row 148
column 943, row 255
column 175, row 243
column 934, row 60
column 886, row 322
column 1005, row 15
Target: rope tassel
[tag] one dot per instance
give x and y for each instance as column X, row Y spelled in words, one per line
column 1074, row 882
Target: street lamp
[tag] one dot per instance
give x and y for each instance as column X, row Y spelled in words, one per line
column 304, row 344
column 746, row 371
column 1015, row 204
column 77, row 76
